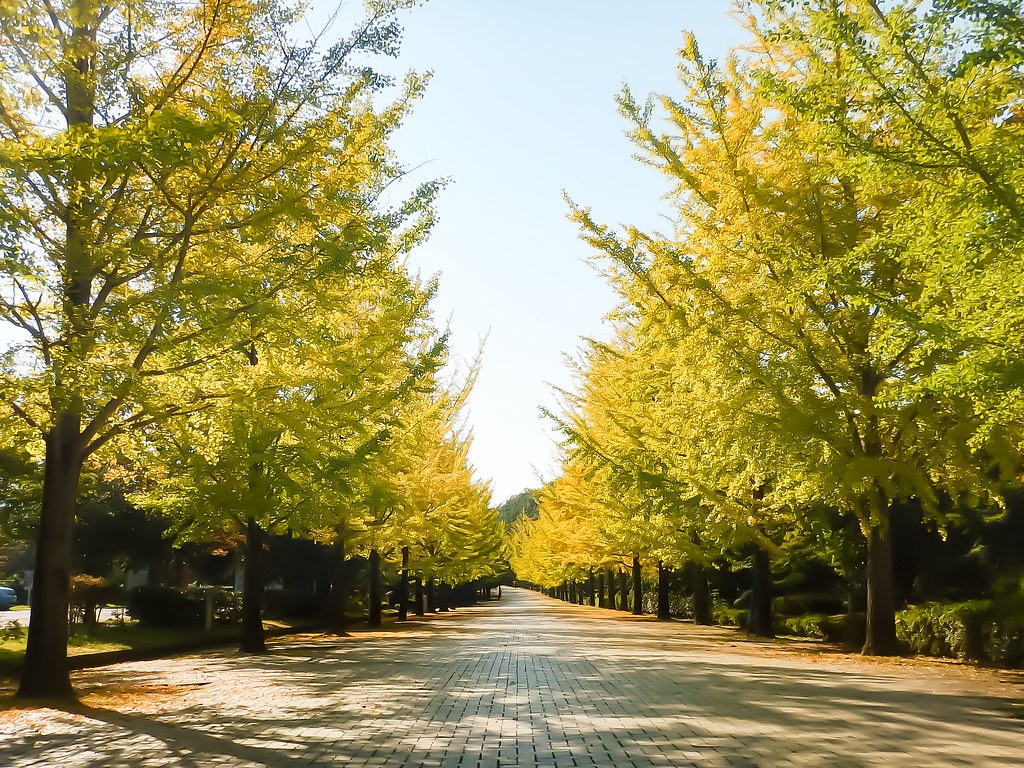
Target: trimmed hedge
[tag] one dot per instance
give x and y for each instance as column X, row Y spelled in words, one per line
column 165, row 607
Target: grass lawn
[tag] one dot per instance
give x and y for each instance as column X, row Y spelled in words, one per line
column 116, row 637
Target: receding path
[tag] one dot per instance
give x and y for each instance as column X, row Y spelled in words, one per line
column 524, row 682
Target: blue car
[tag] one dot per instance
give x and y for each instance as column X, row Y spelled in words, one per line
column 8, row 597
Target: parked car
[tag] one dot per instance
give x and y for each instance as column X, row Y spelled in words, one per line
column 8, row 597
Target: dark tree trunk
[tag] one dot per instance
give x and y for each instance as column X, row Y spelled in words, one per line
column 590, row 588
column 880, row 638
column 623, row 590
column 572, row 592
column 638, row 587
column 336, row 602
column 701, row 594
column 431, row 596
column 444, row 595
column 610, row 579
column 664, row 613
column 600, row 590
column 253, row 640
column 45, row 671
column 760, row 621
column 403, row 587
column 419, row 597
column 376, row 608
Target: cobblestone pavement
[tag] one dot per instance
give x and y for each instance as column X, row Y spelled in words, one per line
column 526, row 681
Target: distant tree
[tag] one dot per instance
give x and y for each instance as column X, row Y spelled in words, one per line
column 523, row 504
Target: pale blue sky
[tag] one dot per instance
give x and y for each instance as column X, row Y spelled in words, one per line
column 522, row 107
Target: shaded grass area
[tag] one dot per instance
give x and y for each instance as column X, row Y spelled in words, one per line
column 131, row 636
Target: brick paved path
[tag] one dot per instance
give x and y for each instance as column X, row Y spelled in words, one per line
column 523, row 682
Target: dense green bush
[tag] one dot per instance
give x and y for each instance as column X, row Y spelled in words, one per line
column 835, row 628
column 726, row 615
column 952, row 630
column 978, row 630
column 165, row 607
column 809, row 625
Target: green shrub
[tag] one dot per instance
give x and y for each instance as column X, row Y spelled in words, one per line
column 977, row 630
column 835, row 628
column 809, row 625
column 12, row 632
column 725, row 615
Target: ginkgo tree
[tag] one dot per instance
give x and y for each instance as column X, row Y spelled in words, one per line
column 562, row 545
column 156, row 159
column 932, row 92
column 609, row 427
column 444, row 521
column 296, row 442
column 654, row 468
column 786, row 269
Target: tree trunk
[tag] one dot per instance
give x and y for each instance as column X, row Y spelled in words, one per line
column 253, row 640
column 638, row 587
column 375, row 618
column 600, row 589
column 664, row 612
column 403, row 587
column 444, row 596
column 419, row 597
column 336, row 602
column 880, row 638
column 45, row 671
column 701, row 594
column 760, row 621
column 590, row 588
column 609, row 578
column 431, row 596
column 623, row 590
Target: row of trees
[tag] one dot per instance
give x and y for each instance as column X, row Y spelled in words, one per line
column 831, row 330
column 207, row 285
